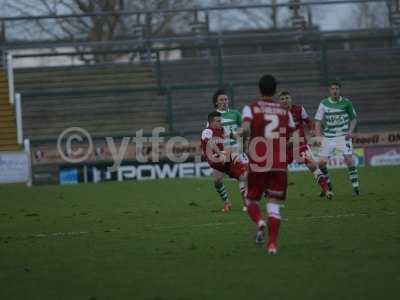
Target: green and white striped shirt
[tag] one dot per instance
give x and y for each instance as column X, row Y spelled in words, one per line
column 335, row 116
column 231, row 121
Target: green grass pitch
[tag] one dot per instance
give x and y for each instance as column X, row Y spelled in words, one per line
column 163, row 240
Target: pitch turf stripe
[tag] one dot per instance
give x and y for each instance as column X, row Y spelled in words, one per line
column 289, row 218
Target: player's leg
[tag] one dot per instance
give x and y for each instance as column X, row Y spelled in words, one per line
column 255, row 190
column 308, row 159
column 352, row 169
column 243, row 191
column 353, row 174
column 276, row 192
column 239, row 170
column 326, row 150
column 319, row 177
column 273, row 223
column 220, row 188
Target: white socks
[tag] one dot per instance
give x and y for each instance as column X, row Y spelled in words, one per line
column 273, row 210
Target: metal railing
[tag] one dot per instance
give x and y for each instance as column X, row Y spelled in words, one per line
column 9, row 25
column 322, row 51
column 289, row 4
column 319, row 45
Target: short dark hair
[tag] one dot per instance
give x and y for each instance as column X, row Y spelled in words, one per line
column 267, row 85
column 337, row 83
column 217, row 94
column 284, row 93
column 213, row 115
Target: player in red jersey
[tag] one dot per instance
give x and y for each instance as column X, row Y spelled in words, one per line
column 299, row 150
column 221, row 160
column 268, row 125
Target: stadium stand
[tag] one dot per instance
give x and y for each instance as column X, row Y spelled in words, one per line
column 364, row 63
column 375, row 99
column 286, row 66
column 8, row 131
column 101, row 115
column 78, row 78
column 190, row 71
column 80, row 98
column 189, row 110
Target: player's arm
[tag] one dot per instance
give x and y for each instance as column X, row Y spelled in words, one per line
column 307, row 120
column 353, row 120
column 212, row 151
column 207, row 137
column 318, row 128
column 247, row 117
column 352, row 127
column 239, row 119
column 319, row 116
column 212, row 147
column 245, row 128
column 237, row 134
column 218, row 155
column 291, row 128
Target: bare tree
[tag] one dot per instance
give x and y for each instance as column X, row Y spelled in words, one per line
column 245, row 18
column 99, row 26
column 94, row 28
column 268, row 18
column 367, row 15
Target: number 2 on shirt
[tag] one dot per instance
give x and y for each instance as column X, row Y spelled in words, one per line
column 271, row 126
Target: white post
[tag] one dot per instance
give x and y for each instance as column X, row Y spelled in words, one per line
column 18, row 117
column 10, row 74
column 27, row 147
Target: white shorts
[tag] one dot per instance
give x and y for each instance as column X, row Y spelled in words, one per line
column 336, row 145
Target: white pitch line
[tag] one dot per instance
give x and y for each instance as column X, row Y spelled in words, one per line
column 78, row 233
column 284, row 219
column 40, row 235
column 68, row 233
column 344, row 215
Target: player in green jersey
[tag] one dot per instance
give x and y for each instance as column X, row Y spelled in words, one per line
column 231, row 118
column 231, row 121
column 336, row 121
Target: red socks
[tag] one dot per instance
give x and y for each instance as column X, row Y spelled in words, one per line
column 273, row 229
column 323, row 183
column 253, row 210
column 273, row 222
column 321, row 179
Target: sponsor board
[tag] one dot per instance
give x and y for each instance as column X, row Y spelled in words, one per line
column 337, row 161
column 149, row 171
column 68, row 176
column 14, row 167
column 102, row 153
column 297, row 167
column 383, row 156
column 135, row 171
column 334, row 162
column 376, row 139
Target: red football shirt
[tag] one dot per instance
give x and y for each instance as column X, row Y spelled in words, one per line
column 271, row 125
column 300, row 117
column 217, row 135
